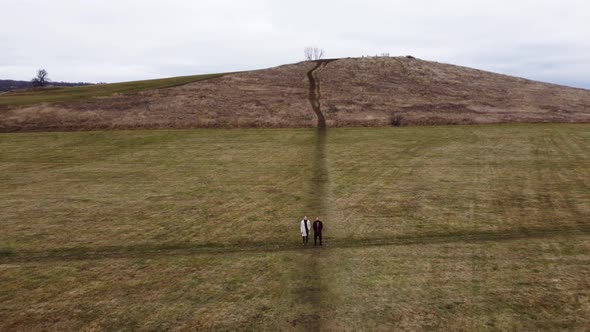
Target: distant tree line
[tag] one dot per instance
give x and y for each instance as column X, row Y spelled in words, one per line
column 8, row 85
column 40, row 80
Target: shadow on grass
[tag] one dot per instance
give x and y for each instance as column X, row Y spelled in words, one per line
column 316, row 198
column 6, row 252
column 82, row 253
column 310, row 294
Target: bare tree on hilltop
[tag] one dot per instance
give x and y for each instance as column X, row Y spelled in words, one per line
column 313, row 53
column 41, row 79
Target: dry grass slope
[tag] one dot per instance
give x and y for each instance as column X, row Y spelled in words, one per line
column 381, row 91
column 63, row 95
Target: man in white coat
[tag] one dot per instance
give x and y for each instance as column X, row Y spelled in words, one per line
column 305, row 228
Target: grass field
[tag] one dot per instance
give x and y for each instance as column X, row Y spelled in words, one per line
column 459, row 227
column 56, row 95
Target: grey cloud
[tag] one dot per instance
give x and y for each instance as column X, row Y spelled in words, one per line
column 132, row 39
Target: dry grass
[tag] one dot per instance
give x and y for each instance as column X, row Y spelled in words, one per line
column 465, row 179
column 477, row 227
column 265, row 98
column 69, row 94
column 367, row 92
column 525, row 285
column 204, row 292
column 371, row 91
column 100, row 189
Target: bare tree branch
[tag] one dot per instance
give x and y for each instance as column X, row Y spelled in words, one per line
column 41, row 79
column 313, row 53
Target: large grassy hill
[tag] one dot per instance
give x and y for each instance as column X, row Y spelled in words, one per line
column 450, row 228
column 376, row 91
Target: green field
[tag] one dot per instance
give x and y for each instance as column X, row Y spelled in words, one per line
column 68, row 94
column 453, row 228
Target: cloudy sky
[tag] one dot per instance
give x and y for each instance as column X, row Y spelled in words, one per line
column 121, row 40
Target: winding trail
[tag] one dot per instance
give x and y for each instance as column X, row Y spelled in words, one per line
column 314, row 95
column 316, row 201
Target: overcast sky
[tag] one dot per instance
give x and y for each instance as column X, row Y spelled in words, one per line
column 121, row 40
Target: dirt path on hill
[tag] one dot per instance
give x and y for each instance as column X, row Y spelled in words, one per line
column 315, row 95
column 311, row 293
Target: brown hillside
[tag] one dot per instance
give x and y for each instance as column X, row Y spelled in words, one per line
column 371, row 91
column 352, row 92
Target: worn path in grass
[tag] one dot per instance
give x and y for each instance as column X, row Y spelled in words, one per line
column 146, row 251
column 315, row 206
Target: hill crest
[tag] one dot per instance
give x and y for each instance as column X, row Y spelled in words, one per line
column 372, row 91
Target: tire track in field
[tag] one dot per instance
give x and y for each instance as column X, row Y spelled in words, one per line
column 142, row 251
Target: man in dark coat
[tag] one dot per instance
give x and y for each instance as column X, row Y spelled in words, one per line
column 317, row 231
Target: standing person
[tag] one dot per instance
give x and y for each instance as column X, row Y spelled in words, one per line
column 317, row 231
column 305, row 227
